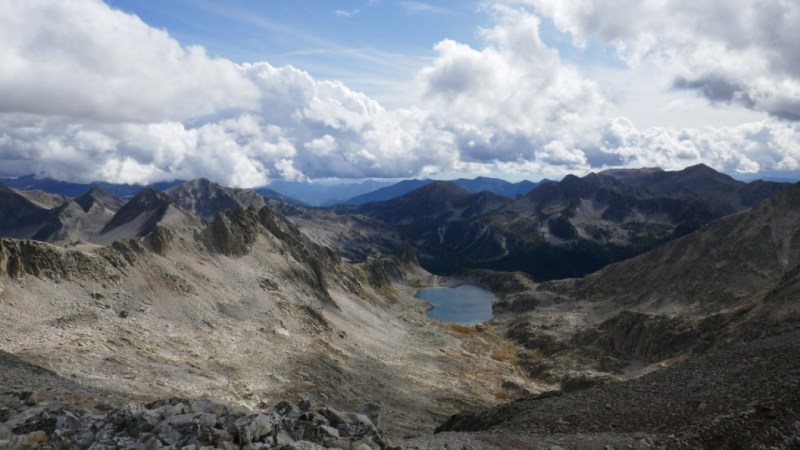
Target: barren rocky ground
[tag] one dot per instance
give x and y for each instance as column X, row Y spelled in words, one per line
column 123, row 323
column 117, row 345
column 742, row 396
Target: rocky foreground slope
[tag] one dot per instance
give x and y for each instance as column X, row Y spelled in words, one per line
column 695, row 344
column 245, row 307
column 178, row 423
column 740, row 396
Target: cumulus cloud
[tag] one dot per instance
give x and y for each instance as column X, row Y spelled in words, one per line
column 83, row 59
column 768, row 145
column 742, row 51
column 510, row 99
column 91, row 93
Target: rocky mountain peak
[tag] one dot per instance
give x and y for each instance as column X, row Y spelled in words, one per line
column 100, row 197
column 149, row 198
column 206, row 198
column 699, row 168
column 142, row 213
column 200, row 182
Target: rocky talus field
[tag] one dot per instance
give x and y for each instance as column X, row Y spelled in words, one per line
column 206, row 317
column 245, row 308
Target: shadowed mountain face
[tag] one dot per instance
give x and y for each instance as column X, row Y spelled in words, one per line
column 80, row 220
column 19, row 217
column 321, row 194
column 432, row 218
column 563, row 229
column 98, row 217
column 146, row 209
column 99, row 198
column 67, row 222
column 751, row 256
column 143, row 214
column 698, row 182
column 475, row 185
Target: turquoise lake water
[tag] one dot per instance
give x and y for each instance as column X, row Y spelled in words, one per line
column 465, row 304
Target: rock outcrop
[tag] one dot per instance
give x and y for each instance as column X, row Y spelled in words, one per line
column 175, row 423
column 234, row 232
column 381, row 272
column 41, row 260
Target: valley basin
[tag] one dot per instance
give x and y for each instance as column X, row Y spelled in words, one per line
column 465, row 304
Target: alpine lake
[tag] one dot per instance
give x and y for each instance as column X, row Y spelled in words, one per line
column 465, row 304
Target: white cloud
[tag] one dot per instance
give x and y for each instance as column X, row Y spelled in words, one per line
column 287, row 170
column 322, row 146
column 83, row 59
column 347, row 13
column 769, row 145
column 93, row 93
column 740, row 51
column 423, row 8
column 513, row 97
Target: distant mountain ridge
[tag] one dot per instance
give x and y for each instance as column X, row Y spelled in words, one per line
column 564, row 229
column 81, row 219
column 294, row 192
column 475, row 185
column 121, row 191
column 498, row 186
column 32, row 182
column 556, row 230
column 323, row 194
column 388, row 192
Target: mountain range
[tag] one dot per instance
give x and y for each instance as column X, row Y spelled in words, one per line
column 715, row 311
column 325, row 194
column 682, row 331
column 562, row 229
column 556, row 230
column 479, row 184
column 67, row 189
column 295, row 192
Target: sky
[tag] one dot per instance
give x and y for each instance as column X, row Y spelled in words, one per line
column 245, row 92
